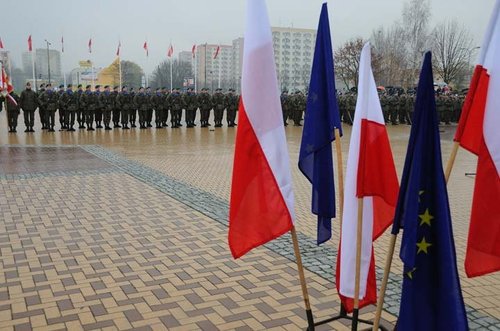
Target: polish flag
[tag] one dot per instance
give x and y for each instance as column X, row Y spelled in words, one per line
column 1, row 43
column 90, row 45
column 30, row 44
column 478, row 133
column 170, row 51
column 7, row 86
column 145, row 46
column 217, row 50
column 118, row 49
column 62, row 44
column 371, row 175
column 193, row 50
column 261, row 204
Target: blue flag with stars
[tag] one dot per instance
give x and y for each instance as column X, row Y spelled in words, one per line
column 321, row 118
column 431, row 296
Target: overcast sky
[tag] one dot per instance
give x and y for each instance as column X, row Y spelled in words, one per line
column 197, row 21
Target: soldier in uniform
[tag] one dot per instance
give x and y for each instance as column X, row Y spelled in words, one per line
column 80, row 111
column 99, row 107
column 41, row 109
column 116, row 109
column 141, row 103
column 158, row 105
column 49, row 100
column 107, row 103
column 232, row 106
column 166, row 107
column 299, row 105
column 285, row 106
column 404, row 109
column 123, row 101
column 448, row 108
column 132, row 111
column 149, row 112
column 205, row 103
column 191, row 104
column 28, row 102
column 88, row 102
column 392, row 107
column 384, row 104
column 176, row 104
column 71, row 102
column 61, row 107
column 218, row 101
column 12, row 108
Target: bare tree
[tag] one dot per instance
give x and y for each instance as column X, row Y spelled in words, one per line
column 180, row 71
column 451, row 47
column 389, row 46
column 347, row 62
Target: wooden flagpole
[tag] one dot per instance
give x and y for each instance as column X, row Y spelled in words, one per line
column 300, row 268
column 340, row 174
column 451, row 161
column 359, row 237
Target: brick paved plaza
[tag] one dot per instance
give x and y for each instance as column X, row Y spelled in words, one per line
column 127, row 230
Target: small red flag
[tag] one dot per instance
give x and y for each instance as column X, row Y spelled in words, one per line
column 30, row 45
column 62, row 44
column 118, row 50
column 90, row 45
column 146, row 48
column 193, row 50
column 1, row 43
column 170, row 51
column 217, row 52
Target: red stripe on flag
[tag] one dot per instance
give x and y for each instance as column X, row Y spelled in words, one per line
column 377, row 174
column 483, row 246
column 470, row 128
column 30, row 45
column 258, row 213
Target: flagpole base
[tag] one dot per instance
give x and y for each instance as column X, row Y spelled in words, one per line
column 343, row 315
column 310, row 320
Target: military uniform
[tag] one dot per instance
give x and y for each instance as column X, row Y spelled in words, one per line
column 123, row 102
column 299, row 105
column 392, row 107
column 176, row 104
column 218, row 103
column 149, row 111
column 232, row 106
column 49, row 100
column 116, row 109
column 41, row 108
column 132, row 111
column 141, row 102
column 157, row 102
column 285, row 106
column 61, row 107
column 28, row 102
column 107, row 102
column 70, row 101
column 88, row 102
column 80, row 112
column 404, row 109
column 12, row 109
column 191, row 105
column 205, row 104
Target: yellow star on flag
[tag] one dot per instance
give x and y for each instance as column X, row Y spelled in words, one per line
column 410, row 273
column 423, row 245
column 426, row 218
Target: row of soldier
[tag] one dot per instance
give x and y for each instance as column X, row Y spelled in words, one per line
column 113, row 107
column 398, row 107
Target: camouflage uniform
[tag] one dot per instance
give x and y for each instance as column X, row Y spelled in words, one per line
column 41, row 108
column 232, row 101
column 80, row 111
column 88, row 102
column 116, row 109
column 99, row 107
column 176, row 104
column 299, row 105
column 141, row 102
column 107, row 102
column 191, row 105
column 157, row 102
column 70, row 101
column 149, row 111
column 218, row 103
column 205, row 104
column 62, row 107
column 12, row 110
column 28, row 102
column 123, row 102
column 132, row 110
column 285, row 106
column 49, row 99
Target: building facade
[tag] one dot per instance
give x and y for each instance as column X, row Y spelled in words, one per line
column 214, row 72
column 42, row 60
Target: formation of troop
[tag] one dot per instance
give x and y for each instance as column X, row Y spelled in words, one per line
column 110, row 108
column 397, row 107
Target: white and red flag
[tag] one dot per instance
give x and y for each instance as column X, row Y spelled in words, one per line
column 170, row 51
column 30, row 44
column 217, row 50
column 62, row 44
column 7, row 86
column 145, row 46
column 90, row 45
column 478, row 133
column 1, row 43
column 118, row 49
column 193, row 50
column 371, row 176
column 262, row 204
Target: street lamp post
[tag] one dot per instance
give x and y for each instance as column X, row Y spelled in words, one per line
column 48, row 58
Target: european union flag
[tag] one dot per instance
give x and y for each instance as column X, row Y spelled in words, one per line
column 431, row 296
column 321, row 118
